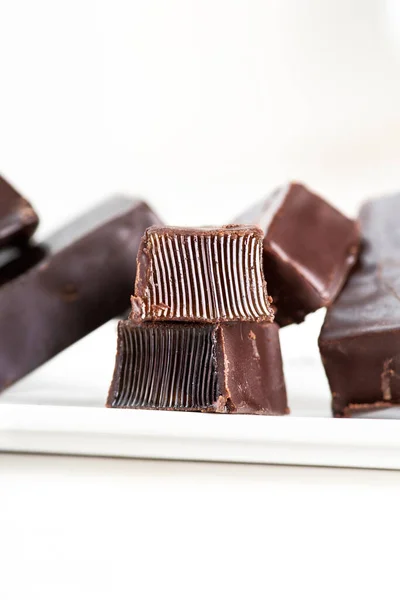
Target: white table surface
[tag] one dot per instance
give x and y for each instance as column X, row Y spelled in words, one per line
column 87, row 528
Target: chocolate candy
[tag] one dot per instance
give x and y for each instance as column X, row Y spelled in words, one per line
column 309, row 249
column 18, row 220
column 204, row 275
column 223, row 368
column 83, row 279
column 360, row 339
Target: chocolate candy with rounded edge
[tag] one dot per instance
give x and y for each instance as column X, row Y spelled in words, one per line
column 360, row 339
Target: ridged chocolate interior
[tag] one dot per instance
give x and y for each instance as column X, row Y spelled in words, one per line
column 166, row 366
column 206, row 276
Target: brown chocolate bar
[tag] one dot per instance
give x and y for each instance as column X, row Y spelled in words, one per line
column 82, row 279
column 360, row 339
column 18, row 220
column 203, row 275
column 223, row 368
column 309, row 250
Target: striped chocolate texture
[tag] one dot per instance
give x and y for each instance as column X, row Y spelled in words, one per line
column 165, row 366
column 220, row 367
column 201, row 275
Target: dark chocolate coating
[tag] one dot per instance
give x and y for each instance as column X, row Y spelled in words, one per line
column 84, row 280
column 360, row 339
column 205, row 275
column 18, row 220
column 309, row 250
column 223, row 368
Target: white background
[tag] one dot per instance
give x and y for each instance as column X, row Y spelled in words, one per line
column 201, row 106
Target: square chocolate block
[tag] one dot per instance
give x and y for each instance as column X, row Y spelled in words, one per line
column 309, row 250
column 203, row 275
column 223, row 368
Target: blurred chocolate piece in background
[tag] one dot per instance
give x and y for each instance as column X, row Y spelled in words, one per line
column 360, row 339
column 83, row 278
column 309, row 250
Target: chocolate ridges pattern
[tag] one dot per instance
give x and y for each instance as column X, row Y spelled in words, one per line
column 206, row 275
column 167, row 367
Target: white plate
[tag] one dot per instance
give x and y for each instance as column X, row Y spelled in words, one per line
column 60, row 409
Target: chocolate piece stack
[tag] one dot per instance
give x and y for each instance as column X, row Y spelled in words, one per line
column 200, row 336
column 53, row 294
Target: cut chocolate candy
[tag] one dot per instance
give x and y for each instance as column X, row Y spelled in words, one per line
column 309, row 249
column 83, row 279
column 223, row 368
column 18, row 220
column 360, row 339
column 204, row 275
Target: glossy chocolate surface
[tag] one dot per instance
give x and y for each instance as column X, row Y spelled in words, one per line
column 204, row 275
column 18, row 220
column 84, row 278
column 309, row 250
column 223, row 368
column 360, row 339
